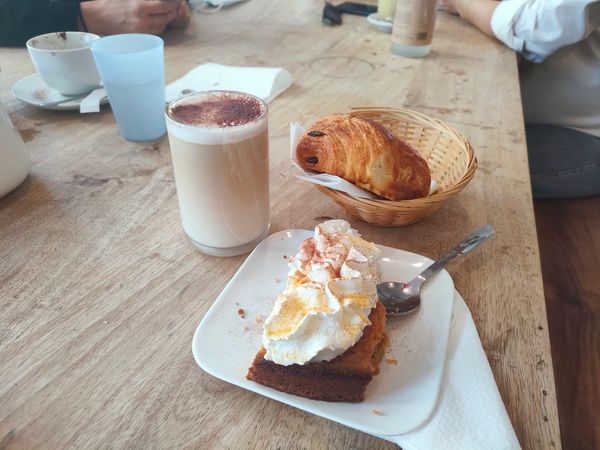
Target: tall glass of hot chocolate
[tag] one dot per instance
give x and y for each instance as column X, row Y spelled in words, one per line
column 220, row 151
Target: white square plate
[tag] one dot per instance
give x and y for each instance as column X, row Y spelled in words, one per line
column 398, row 400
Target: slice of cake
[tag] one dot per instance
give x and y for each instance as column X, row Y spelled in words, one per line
column 325, row 337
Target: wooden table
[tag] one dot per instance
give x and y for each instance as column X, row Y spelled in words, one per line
column 100, row 292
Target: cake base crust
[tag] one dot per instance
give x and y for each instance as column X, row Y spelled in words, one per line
column 343, row 379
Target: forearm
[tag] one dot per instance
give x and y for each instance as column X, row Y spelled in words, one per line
column 478, row 12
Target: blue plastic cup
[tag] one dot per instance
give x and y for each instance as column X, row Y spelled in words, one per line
column 131, row 67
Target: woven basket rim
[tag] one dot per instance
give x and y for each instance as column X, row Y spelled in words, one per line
column 436, row 197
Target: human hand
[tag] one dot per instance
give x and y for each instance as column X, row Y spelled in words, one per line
column 182, row 17
column 128, row 16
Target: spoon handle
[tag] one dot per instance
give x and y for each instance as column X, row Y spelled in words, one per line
column 470, row 243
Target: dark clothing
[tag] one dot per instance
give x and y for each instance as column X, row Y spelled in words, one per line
column 24, row 19
column 563, row 162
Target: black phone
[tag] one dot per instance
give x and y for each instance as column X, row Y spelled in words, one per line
column 359, row 9
column 331, row 16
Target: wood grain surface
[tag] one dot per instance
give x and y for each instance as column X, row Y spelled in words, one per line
column 569, row 239
column 100, row 292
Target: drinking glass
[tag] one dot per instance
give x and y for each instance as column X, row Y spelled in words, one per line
column 413, row 24
column 132, row 70
column 220, row 150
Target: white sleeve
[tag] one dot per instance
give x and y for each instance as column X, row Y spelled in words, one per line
column 537, row 28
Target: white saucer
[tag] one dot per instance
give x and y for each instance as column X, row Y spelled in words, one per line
column 382, row 25
column 33, row 91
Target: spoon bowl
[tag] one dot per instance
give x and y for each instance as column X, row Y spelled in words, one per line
column 396, row 304
column 403, row 298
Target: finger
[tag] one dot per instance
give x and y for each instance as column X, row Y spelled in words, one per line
column 158, row 22
column 152, row 7
column 179, row 22
column 183, row 12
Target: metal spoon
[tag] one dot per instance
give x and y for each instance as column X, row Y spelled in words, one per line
column 60, row 102
column 403, row 298
column 181, row 94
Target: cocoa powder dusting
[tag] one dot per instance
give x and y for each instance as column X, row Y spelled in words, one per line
column 222, row 111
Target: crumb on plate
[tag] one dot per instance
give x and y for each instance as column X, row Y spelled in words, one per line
column 259, row 319
column 392, row 361
column 241, row 313
column 377, row 412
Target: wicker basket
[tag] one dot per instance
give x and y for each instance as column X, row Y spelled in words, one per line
column 448, row 153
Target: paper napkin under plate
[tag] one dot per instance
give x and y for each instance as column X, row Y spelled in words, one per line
column 264, row 82
column 470, row 414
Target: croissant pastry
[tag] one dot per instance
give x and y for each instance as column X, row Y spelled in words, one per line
column 366, row 154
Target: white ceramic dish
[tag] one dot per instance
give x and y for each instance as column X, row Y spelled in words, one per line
column 385, row 26
column 33, row 91
column 405, row 394
column 13, row 154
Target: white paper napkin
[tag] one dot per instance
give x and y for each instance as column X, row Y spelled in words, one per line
column 264, row 82
column 470, row 414
column 91, row 103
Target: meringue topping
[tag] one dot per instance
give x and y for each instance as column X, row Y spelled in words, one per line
column 326, row 304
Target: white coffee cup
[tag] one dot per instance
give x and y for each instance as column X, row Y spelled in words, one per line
column 65, row 62
column 14, row 159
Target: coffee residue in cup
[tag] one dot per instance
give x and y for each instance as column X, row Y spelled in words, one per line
column 62, row 35
column 40, row 94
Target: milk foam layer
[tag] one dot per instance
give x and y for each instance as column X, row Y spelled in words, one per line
column 247, row 119
column 330, row 293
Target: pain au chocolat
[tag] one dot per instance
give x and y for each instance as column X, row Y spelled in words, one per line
column 366, row 154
